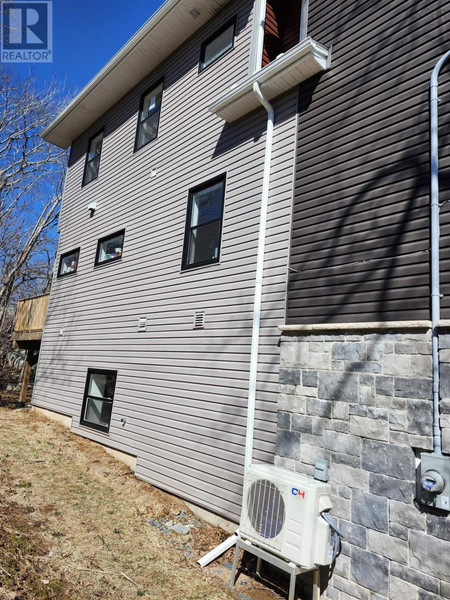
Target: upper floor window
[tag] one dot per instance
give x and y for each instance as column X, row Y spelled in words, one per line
column 94, row 151
column 204, row 224
column 110, row 248
column 68, row 263
column 98, row 399
column 149, row 113
column 215, row 46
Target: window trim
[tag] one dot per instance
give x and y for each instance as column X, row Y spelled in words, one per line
column 187, row 230
column 210, row 38
column 158, row 82
column 100, row 131
column 104, row 239
column 61, row 257
column 83, row 421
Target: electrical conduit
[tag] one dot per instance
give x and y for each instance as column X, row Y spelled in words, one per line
column 259, row 278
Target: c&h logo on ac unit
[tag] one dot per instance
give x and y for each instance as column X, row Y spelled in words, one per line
column 298, row 493
column 26, row 31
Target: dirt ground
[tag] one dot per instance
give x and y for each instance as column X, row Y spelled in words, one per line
column 76, row 524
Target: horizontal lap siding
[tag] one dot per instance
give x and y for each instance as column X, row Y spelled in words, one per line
column 182, row 391
column 360, row 235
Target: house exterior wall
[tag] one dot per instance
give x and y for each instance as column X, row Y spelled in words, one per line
column 360, row 236
column 183, row 392
column 363, row 401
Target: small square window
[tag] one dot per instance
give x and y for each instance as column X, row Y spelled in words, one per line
column 149, row 113
column 98, row 399
column 110, row 248
column 68, row 263
column 204, row 224
column 94, row 151
column 215, row 46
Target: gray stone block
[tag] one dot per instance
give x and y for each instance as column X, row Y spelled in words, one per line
column 384, row 386
column 349, row 476
column 341, row 442
column 395, row 364
column 283, row 420
column 412, row 347
column 399, row 531
column 444, row 382
column 410, row 387
column 366, row 395
column 319, row 408
column 288, row 444
column 337, row 425
column 398, row 420
column 387, row 546
column 377, row 413
column 365, row 379
column 341, row 507
column 423, row 595
column 345, row 492
column 349, row 589
column 439, row 526
column 338, row 386
column 349, row 351
column 388, row 487
column 417, row 578
column 387, row 459
column 445, row 589
column 289, row 377
column 444, row 340
column 353, row 534
column 399, row 589
column 375, row 351
column 357, row 409
column 291, row 403
column 346, row 459
column 370, row 571
column 340, row 410
column 406, row 515
column 421, row 366
column 370, row 510
column 310, row 378
column 376, row 429
column 302, row 423
column 420, row 417
column 362, row 367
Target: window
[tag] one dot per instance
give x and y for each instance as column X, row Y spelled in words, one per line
column 94, row 151
column 68, row 263
column 110, row 248
column 149, row 113
column 98, row 399
column 204, row 224
column 215, row 46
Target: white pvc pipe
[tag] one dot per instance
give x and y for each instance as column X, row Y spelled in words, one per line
column 259, row 278
column 218, row 550
column 434, row 217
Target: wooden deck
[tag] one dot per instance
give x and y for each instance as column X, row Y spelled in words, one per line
column 30, row 320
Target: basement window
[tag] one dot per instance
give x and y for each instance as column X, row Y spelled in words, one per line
column 220, row 42
column 149, row 114
column 68, row 263
column 110, row 248
column 92, row 166
column 204, row 224
column 98, row 399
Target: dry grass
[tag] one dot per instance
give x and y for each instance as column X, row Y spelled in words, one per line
column 73, row 524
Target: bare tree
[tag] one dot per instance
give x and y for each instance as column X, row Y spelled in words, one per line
column 31, row 182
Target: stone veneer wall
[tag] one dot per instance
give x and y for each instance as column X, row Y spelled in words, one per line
column 364, row 402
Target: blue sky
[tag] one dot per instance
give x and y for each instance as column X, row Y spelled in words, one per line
column 87, row 33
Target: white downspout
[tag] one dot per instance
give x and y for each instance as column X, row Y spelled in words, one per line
column 435, row 284
column 259, row 22
column 259, row 278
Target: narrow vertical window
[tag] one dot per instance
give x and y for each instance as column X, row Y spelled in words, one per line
column 94, row 151
column 68, row 263
column 217, row 45
column 204, row 224
column 149, row 113
column 98, row 399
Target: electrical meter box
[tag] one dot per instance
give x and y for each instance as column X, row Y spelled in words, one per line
column 433, row 485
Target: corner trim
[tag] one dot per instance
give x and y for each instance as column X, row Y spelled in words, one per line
column 369, row 326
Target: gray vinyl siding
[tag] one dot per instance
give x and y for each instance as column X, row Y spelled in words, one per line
column 182, row 391
column 360, row 237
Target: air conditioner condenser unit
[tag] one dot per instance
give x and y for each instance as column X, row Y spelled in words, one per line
column 281, row 513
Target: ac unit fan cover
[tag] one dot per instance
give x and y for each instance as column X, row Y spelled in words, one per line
column 265, row 508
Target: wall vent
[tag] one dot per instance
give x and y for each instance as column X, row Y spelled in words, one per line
column 199, row 319
column 142, row 325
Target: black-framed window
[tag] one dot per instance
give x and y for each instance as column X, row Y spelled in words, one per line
column 98, row 399
column 149, row 114
column 94, row 150
column 220, row 42
column 110, row 248
column 68, row 263
column 204, row 224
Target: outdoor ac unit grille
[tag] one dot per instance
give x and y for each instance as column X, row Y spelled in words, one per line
column 266, row 510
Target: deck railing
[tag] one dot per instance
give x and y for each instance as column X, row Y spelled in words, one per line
column 30, row 317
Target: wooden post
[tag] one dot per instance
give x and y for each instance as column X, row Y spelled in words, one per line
column 29, row 362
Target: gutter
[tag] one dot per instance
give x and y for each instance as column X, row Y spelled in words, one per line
column 259, row 278
column 435, row 282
